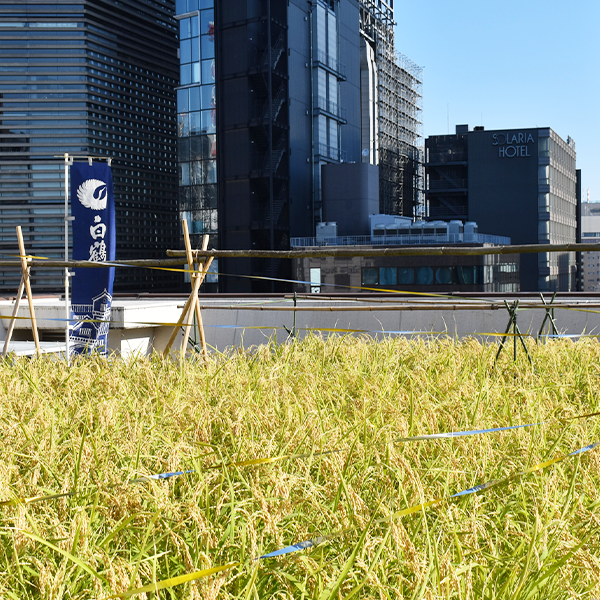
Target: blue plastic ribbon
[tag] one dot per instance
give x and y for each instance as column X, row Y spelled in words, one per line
column 160, row 476
column 319, row 540
column 453, row 434
column 295, row 547
column 417, row 507
column 584, row 449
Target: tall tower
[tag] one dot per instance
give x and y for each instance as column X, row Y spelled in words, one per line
column 262, row 106
column 96, row 78
column 197, row 124
column 391, row 109
column 253, row 139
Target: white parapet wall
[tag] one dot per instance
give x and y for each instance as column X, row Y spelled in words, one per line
column 137, row 326
column 144, row 326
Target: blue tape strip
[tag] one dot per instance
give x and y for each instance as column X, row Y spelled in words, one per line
column 453, row 434
column 294, row 548
column 477, row 488
column 472, row 490
column 493, row 482
column 478, row 431
column 168, row 475
column 584, row 449
column 570, row 335
column 160, row 476
column 432, row 436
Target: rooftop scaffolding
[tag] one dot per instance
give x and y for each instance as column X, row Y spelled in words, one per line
column 400, row 109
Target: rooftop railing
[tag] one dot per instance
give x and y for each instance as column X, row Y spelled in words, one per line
column 401, row 240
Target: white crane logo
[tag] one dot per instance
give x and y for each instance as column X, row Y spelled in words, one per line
column 92, row 194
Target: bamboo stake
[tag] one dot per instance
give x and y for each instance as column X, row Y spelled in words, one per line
column 196, row 308
column 201, row 331
column 177, row 326
column 193, row 277
column 370, row 251
column 178, row 256
column 186, row 335
column 379, row 308
column 397, row 307
column 11, row 326
column 199, row 315
column 186, row 307
column 194, row 294
column 25, row 269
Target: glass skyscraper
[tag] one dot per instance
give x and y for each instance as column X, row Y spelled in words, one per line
column 197, row 121
column 269, row 96
column 93, row 77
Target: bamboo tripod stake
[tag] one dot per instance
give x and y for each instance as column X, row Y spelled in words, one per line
column 186, row 317
column 24, row 285
column 188, row 249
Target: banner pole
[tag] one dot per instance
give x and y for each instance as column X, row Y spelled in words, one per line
column 93, row 239
column 68, row 161
column 67, row 257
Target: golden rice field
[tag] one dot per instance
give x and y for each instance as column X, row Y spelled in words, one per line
column 88, row 430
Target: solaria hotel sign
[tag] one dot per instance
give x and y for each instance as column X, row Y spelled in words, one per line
column 511, row 145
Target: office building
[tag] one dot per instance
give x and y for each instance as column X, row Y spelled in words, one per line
column 286, row 105
column 423, row 274
column 197, row 125
column 98, row 78
column 520, row 183
column 264, row 101
column 270, row 94
column 419, row 273
column 590, row 233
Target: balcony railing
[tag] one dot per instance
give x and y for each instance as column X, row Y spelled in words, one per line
column 332, row 153
column 402, row 240
column 321, row 57
column 331, row 108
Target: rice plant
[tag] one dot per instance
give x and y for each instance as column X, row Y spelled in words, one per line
column 336, row 409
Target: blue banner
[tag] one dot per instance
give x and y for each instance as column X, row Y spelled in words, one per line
column 93, row 209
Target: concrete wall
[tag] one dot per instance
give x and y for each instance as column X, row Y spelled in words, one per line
column 228, row 323
column 232, row 328
column 350, row 195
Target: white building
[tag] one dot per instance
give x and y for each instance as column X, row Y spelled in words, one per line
column 590, row 261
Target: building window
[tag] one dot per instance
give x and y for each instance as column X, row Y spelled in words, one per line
column 388, row 276
column 406, row 275
column 444, row 275
column 370, row 276
column 424, row 275
column 467, row 275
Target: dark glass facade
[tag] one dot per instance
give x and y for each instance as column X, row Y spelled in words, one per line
column 253, row 146
column 89, row 78
column 197, row 124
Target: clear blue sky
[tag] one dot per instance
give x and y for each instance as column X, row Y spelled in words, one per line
column 510, row 64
